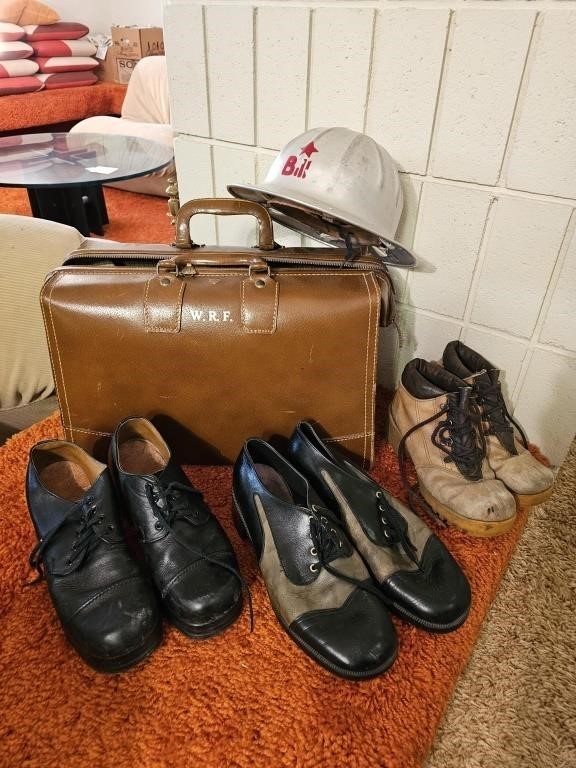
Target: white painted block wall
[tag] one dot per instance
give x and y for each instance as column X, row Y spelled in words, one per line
column 475, row 99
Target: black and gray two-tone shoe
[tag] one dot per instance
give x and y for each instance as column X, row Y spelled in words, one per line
column 418, row 577
column 319, row 587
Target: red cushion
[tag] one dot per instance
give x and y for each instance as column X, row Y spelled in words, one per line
column 15, row 50
column 10, row 32
column 18, row 68
column 10, row 85
column 47, row 48
column 67, row 64
column 67, row 79
column 62, row 30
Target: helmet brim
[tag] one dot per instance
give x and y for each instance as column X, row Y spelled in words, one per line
column 394, row 253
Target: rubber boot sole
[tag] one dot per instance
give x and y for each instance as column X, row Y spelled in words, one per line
column 526, row 500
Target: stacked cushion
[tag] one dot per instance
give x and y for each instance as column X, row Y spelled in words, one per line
column 66, row 64
column 64, row 60
column 15, row 64
column 12, row 85
column 62, row 30
column 16, row 49
column 18, row 68
column 47, row 48
column 67, row 79
column 55, row 50
column 10, row 32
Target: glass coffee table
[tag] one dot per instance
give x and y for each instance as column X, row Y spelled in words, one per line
column 64, row 172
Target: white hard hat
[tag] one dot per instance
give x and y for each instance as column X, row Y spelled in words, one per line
column 333, row 183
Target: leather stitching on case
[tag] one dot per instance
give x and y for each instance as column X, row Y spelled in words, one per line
column 374, row 357
column 88, row 431
column 55, row 372
column 357, row 436
column 58, row 350
column 366, row 369
column 285, row 272
column 274, row 316
column 162, row 328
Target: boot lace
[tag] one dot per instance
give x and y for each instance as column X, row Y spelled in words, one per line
column 328, row 540
column 459, row 436
column 171, row 504
column 87, row 537
column 456, row 436
column 495, row 412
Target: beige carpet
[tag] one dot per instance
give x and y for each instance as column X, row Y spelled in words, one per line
column 515, row 705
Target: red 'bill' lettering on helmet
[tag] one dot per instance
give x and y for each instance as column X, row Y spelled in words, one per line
column 289, row 166
column 298, row 171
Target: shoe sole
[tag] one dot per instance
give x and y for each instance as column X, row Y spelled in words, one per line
column 311, row 652
column 215, row 629
column 124, row 662
column 526, row 500
column 429, row 626
column 480, row 528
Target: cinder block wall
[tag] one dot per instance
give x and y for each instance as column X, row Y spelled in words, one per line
column 476, row 101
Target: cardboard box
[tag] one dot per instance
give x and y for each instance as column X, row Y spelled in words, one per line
column 129, row 45
column 107, row 69
column 124, row 69
column 137, row 42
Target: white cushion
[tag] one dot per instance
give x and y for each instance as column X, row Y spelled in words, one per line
column 10, row 32
column 30, row 249
column 147, row 99
column 153, row 183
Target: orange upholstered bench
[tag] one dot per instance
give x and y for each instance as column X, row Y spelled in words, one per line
column 24, row 111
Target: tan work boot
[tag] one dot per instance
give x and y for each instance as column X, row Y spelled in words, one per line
column 434, row 420
column 524, row 476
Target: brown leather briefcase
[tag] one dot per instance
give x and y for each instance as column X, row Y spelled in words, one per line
column 217, row 344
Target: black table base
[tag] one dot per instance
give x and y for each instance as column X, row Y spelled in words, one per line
column 82, row 207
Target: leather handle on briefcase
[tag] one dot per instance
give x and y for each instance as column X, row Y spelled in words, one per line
column 223, row 207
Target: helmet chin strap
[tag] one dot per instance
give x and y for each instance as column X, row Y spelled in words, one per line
column 349, row 239
column 336, row 233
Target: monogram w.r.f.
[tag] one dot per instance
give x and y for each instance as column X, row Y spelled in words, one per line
column 211, row 315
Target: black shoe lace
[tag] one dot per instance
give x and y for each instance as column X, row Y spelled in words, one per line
column 394, row 527
column 495, row 412
column 459, row 436
column 86, row 539
column 328, row 541
column 456, row 436
column 171, row 505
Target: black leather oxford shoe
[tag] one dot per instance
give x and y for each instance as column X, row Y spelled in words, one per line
column 418, row 577
column 105, row 603
column 318, row 585
column 189, row 555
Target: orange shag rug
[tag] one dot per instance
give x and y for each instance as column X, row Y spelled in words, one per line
column 242, row 700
